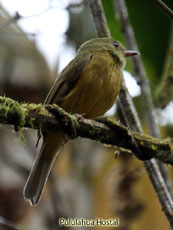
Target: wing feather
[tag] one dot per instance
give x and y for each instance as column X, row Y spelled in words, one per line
column 67, row 79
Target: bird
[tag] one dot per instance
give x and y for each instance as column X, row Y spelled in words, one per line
column 88, row 85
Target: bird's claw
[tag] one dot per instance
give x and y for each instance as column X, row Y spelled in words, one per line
column 79, row 116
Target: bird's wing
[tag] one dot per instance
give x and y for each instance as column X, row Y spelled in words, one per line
column 67, row 79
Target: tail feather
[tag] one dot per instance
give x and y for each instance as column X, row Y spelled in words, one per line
column 41, row 169
column 37, row 179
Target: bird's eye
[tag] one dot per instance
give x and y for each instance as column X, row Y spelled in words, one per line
column 115, row 44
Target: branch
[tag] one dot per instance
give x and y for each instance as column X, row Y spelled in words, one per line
column 99, row 18
column 164, row 8
column 164, row 92
column 38, row 116
column 6, row 224
column 139, row 69
column 142, row 80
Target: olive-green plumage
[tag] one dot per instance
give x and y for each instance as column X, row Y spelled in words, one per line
column 88, row 85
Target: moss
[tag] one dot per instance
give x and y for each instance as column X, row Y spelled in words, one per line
column 22, row 138
column 41, row 131
column 38, row 108
column 31, row 121
column 142, row 143
column 95, row 131
column 73, row 119
column 55, row 106
column 7, row 104
column 154, row 148
column 113, row 121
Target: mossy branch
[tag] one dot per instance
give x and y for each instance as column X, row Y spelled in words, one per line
column 53, row 118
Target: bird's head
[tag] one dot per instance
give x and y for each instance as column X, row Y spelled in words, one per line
column 115, row 48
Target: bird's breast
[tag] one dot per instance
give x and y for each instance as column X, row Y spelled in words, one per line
column 97, row 87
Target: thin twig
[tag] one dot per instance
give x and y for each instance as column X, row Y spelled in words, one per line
column 140, row 72
column 157, row 180
column 164, row 8
column 8, row 224
column 141, row 77
column 99, row 18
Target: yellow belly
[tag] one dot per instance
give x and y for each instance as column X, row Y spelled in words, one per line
column 96, row 89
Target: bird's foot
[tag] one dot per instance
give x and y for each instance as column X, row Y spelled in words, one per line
column 79, row 116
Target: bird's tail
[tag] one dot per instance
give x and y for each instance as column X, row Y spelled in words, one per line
column 41, row 168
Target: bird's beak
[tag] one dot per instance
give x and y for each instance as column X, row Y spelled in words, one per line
column 128, row 53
